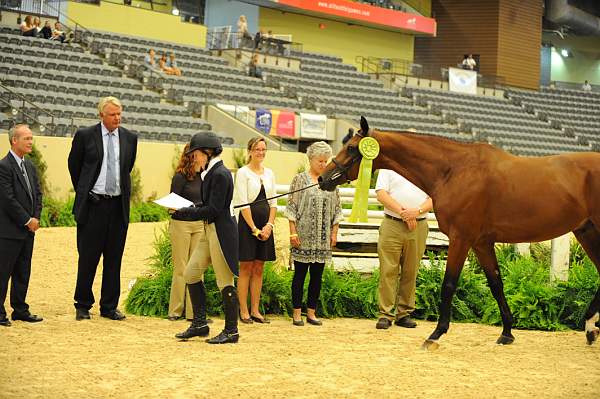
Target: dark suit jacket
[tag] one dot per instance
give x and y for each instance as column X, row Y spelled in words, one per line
column 85, row 161
column 217, row 193
column 16, row 206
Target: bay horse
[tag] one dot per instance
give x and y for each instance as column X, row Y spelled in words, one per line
column 483, row 195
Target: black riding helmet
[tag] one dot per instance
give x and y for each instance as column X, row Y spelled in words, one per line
column 206, row 140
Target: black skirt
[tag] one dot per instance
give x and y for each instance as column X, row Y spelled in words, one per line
column 251, row 248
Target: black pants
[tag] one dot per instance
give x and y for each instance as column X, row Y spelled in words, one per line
column 15, row 264
column 104, row 234
column 314, row 285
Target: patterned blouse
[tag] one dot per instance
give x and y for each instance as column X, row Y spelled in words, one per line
column 315, row 212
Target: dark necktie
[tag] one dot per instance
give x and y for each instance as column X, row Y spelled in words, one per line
column 24, row 171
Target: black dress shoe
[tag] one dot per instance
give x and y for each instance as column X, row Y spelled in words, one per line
column 5, row 322
column 261, row 320
column 82, row 314
column 314, row 322
column 28, row 317
column 383, row 323
column 406, row 322
column 225, row 337
column 246, row 321
column 195, row 330
column 113, row 315
column 298, row 323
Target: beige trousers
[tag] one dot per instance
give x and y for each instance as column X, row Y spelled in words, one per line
column 208, row 251
column 184, row 239
column 400, row 252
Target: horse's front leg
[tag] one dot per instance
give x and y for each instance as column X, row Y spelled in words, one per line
column 487, row 257
column 457, row 253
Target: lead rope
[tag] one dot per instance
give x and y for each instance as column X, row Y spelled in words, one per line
column 276, row 196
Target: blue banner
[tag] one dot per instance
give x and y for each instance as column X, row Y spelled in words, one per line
column 263, row 120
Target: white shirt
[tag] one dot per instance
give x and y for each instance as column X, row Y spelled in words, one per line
column 247, row 186
column 586, row 87
column 100, row 186
column 400, row 189
column 211, row 163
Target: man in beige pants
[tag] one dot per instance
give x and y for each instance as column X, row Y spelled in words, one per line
column 402, row 237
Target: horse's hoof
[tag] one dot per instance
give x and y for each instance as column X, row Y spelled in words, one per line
column 430, row 345
column 592, row 336
column 505, row 340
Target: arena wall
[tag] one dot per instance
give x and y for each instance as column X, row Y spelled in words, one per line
column 337, row 38
column 137, row 21
column 154, row 160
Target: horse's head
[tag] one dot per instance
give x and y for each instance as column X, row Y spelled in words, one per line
column 344, row 166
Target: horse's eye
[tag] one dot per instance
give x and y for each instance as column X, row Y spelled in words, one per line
column 352, row 150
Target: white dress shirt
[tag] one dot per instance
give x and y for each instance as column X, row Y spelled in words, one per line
column 100, row 186
column 400, row 189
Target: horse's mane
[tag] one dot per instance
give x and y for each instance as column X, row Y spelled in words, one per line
column 440, row 138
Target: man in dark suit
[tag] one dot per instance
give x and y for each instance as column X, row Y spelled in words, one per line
column 100, row 163
column 20, row 210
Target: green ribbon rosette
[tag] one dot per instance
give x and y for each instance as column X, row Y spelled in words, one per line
column 369, row 149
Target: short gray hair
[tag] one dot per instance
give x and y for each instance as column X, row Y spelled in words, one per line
column 104, row 101
column 13, row 132
column 319, row 148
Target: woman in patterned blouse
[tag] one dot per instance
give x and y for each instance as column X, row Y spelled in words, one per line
column 314, row 216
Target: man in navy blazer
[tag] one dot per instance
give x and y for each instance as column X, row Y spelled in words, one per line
column 100, row 163
column 20, row 210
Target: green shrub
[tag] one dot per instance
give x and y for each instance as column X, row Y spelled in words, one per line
column 37, row 159
column 57, row 213
column 147, row 212
column 536, row 303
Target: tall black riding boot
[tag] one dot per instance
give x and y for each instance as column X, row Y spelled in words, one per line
column 230, row 334
column 198, row 328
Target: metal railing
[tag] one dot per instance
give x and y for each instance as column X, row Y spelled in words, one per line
column 46, row 8
column 224, row 39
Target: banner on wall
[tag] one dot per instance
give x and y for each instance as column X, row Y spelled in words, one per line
column 285, row 125
column 462, row 80
column 313, row 126
column 263, row 120
column 357, row 11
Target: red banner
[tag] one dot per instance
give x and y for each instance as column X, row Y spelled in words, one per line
column 367, row 13
column 286, row 124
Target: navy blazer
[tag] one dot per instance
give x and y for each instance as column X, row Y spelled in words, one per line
column 85, row 162
column 217, row 194
column 16, row 205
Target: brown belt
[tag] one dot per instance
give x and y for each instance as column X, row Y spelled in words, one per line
column 400, row 220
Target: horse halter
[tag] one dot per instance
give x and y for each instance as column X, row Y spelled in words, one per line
column 342, row 170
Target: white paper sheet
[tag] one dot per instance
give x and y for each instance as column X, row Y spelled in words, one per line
column 173, row 201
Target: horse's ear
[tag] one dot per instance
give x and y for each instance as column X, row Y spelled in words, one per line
column 364, row 126
column 348, row 136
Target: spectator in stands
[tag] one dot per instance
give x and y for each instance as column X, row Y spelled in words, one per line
column 258, row 38
column 254, row 183
column 314, row 216
column 243, row 33
column 402, row 237
column 38, row 26
column 253, row 69
column 171, row 63
column 27, row 27
column 46, row 31
column 586, row 86
column 58, row 33
column 469, row 62
column 150, row 59
column 162, row 64
column 185, row 232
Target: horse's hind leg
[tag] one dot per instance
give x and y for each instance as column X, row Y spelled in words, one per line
column 487, row 257
column 588, row 236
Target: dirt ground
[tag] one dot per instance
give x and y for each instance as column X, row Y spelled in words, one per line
column 349, row 358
